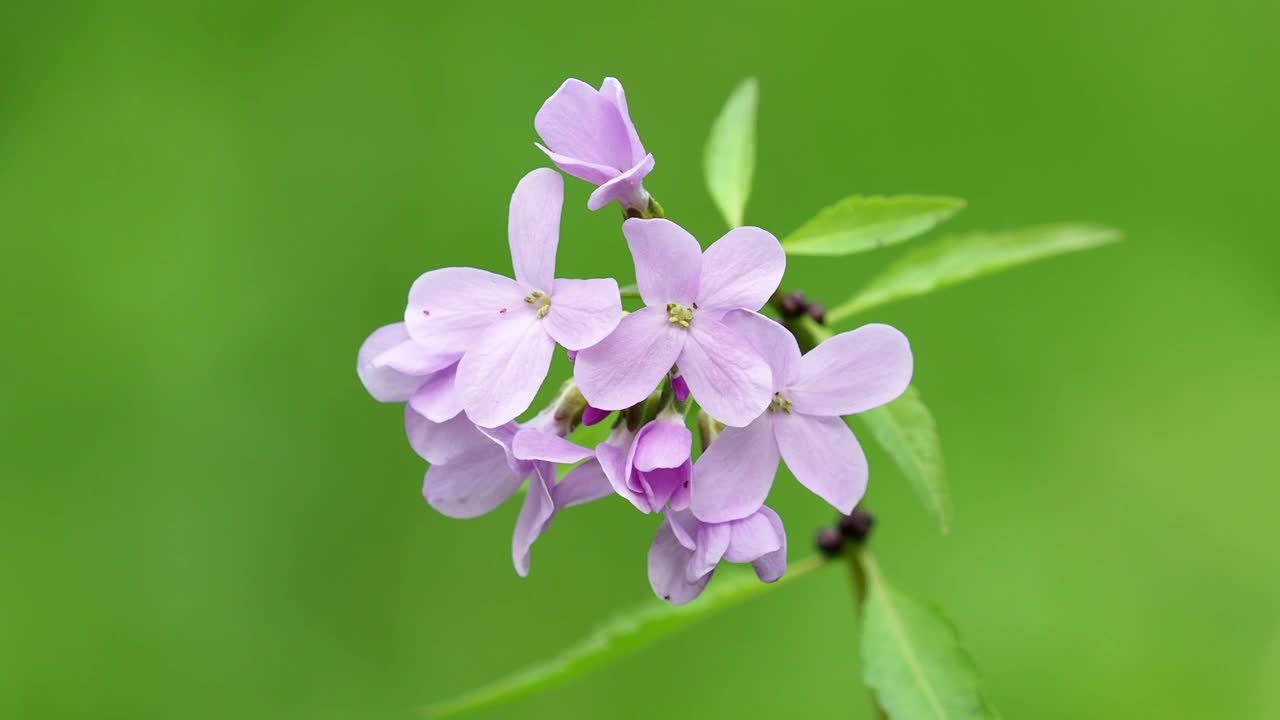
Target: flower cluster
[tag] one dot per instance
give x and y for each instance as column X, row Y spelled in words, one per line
column 475, row 348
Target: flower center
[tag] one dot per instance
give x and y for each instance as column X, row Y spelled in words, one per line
column 780, row 402
column 681, row 315
column 541, row 301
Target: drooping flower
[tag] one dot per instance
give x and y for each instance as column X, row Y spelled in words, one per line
column 651, row 468
column 848, row 374
column 395, row 369
column 686, row 292
column 589, row 135
column 685, row 551
column 507, row 329
column 475, row 469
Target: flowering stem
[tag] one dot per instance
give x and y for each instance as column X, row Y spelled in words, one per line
column 861, row 564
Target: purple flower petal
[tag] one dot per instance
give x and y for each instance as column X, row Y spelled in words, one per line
column 592, row 415
column 732, row 478
column 534, row 517
column 500, row 376
column 583, row 484
column 741, row 270
column 593, row 173
column 391, row 365
column 662, row 443
column 685, row 527
column 450, row 307
column 824, row 456
column 626, row 366
column 613, row 461
column 441, row 442
column 725, row 374
column 668, row 260
column 853, row 372
column 668, row 562
column 711, row 542
column 751, row 538
column 533, row 227
column 532, row 444
column 772, row 341
column 583, row 312
column 771, row 567
column 472, row 483
column 438, row 397
column 612, row 89
column 680, row 388
column 625, row 188
column 580, row 122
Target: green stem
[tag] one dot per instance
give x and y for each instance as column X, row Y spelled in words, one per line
column 862, row 565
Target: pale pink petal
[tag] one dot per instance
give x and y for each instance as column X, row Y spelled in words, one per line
column 665, row 485
column 613, row 461
column 824, row 456
column 391, row 365
column 533, row 227
column 626, row 366
column 438, row 397
column 625, row 188
column 771, row 340
column 472, row 483
column 500, row 376
column 535, row 514
column 579, row 121
column 533, row 444
column 662, row 443
column 612, row 89
column 741, row 270
column 440, row 442
column 685, row 527
column 450, row 307
column 583, row 312
column 593, row 173
column 771, row 567
column 732, row 478
column 711, row 542
column 668, row 260
column 751, row 538
column 668, row 562
column 726, row 375
column 583, row 484
column 853, row 372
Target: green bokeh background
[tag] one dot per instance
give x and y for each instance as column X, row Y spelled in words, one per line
column 206, row 207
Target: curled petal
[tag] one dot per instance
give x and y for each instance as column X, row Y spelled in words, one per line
column 500, row 376
column 612, row 89
column 472, row 483
column 772, row 566
column 533, row 227
column 533, row 444
column 391, row 365
column 626, row 366
column 726, row 375
column 711, row 541
column 741, row 270
column 668, row 260
column 661, row 444
column 824, row 456
column 438, row 397
column 583, row 484
column 625, row 188
column 534, row 517
column 593, row 173
column 583, row 312
column 853, row 372
column 668, row 562
column 732, row 478
column 613, row 461
column 449, row 308
column 441, row 442
column 751, row 538
column 580, row 122
column 771, row 340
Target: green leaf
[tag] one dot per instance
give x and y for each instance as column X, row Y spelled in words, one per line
column 912, row 659
column 860, row 223
column 730, row 158
column 905, row 429
column 962, row 257
column 620, row 637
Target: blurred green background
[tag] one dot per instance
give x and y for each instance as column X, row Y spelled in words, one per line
column 206, row 207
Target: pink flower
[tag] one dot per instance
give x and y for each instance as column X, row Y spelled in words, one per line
column 650, row 468
column 849, row 373
column 507, row 329
column 686, row 292
column 685, row 552
column 589, row 135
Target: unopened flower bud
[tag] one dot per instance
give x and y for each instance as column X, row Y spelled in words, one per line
column 818, row 314
column 856, row 526
column 792, row 305
column 829, row 541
